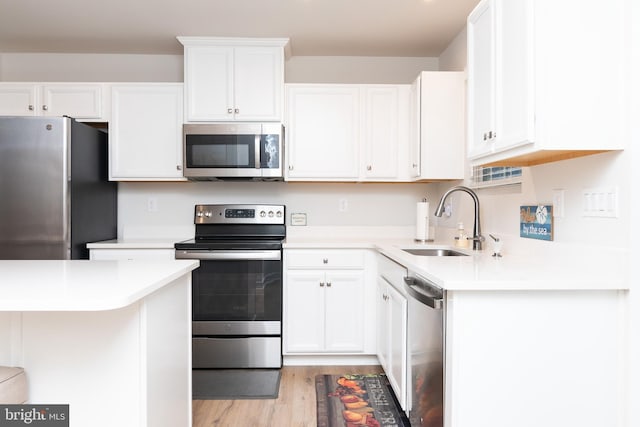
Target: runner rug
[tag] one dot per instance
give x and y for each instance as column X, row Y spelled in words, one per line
column 357, row 401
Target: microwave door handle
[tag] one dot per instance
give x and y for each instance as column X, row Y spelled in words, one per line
column 257, row 151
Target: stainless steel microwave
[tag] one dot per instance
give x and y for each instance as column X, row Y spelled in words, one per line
column 233, row 151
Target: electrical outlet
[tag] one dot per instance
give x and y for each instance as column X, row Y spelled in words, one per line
column 558, row 203
column 152, row 204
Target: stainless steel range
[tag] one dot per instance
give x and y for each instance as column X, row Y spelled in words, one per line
column 237, row 290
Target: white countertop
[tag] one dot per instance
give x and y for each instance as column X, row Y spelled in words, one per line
column 525, row 264
column 82, row 285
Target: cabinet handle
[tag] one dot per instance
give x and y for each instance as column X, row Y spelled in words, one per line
column 322, row 284
column 45, row 108
column 237, row 111
column 328, row 284
column 290, row 167
column 325, row 261
column 30, row 107
column 369, row 167
column 414, row 165
column 178, row 167
column 229, row 111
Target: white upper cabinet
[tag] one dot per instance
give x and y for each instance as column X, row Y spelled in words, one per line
column 145, row 133
column 83, row 101
column 322, row 132
column 346, row 132
column 437, row 126
column 537, row 90
column 229, row 79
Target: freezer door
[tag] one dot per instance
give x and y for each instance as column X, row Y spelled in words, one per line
column 34, row 199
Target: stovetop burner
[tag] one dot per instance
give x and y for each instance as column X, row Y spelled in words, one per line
column 237, row 227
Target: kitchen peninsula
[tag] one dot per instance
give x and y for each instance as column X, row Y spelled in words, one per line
column 530, row 338
column 109, row 338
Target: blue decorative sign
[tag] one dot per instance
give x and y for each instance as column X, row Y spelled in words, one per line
column 536, row 222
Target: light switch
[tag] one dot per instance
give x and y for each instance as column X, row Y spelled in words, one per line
column 600, row 202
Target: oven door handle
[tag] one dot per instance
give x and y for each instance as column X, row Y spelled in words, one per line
column 229, row 255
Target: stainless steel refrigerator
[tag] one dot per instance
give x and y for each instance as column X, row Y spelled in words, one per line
column 55, row 194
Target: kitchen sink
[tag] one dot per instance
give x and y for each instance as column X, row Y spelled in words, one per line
column 434, row 252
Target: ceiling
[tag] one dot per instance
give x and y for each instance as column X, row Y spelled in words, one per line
column 314, row 27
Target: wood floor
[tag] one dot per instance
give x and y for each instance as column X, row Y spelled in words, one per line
column 294, row 407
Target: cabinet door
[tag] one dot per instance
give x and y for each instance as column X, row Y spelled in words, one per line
column 145, row 135
column 397, row 372
column 414, row 129
column 258, row 83
column 80, row 101
column 380, row 132
column 303, row 320
column 323, row 132
column 514, row 73
column 209, row 83
column 344, row 311
column 481, row 80
column 383, row 326
column 442, row 118
column 18, row 99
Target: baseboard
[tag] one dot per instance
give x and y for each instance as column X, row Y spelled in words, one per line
column 329, row 360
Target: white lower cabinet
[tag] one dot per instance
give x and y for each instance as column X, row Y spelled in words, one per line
column 145, row 133
column 391, row 324
column 327, row 303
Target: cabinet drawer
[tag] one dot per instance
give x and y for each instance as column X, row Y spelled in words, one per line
column 393, row 272
column 324, row 259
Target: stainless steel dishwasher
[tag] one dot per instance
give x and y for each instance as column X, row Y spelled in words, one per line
column 426, row 312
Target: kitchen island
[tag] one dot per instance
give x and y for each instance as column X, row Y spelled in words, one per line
column 110, row 338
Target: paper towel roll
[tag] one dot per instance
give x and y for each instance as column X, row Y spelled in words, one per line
column 422, row 221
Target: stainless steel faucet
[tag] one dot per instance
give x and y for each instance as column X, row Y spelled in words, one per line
column 477, row 236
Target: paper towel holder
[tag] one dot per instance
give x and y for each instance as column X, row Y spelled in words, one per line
column 423, row 233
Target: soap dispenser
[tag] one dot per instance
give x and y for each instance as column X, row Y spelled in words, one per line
column 461, row 238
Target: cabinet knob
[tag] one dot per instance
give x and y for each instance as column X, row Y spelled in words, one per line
column 328, row 284
column 45, row 108
column 237, row 111
column 178, row 167
column 414, row 165
column 325, row 261
column 369, row 167
column 290, row 167
column 30, row 107
column 229, row 111
column 322, row 284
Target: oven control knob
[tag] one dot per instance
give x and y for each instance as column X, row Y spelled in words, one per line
column 279, row 214
column 207, row 214
column 263, row 214
column 270, row 214
column 200, row 214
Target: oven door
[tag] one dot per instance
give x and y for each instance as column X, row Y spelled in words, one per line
column 236, row 292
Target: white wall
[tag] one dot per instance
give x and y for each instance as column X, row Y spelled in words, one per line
column 75, row 67
column 63, row 67
column 361, row 69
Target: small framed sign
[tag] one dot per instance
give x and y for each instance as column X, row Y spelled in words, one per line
column 536, row 222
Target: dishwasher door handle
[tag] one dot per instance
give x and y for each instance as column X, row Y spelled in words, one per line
column 425, row 292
